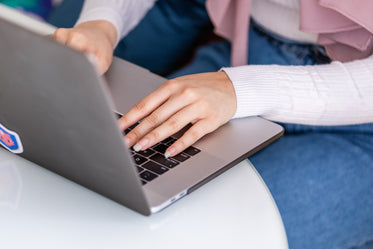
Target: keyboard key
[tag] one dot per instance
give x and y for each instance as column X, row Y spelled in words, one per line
column 139, row 169
column 126, row 131
column 148, row 176
column 143, row 182
column 133, row 126
column 169, row 139
column 169, row 143
column 159, row 158
column 181, row 157
column 139, row 159
column 155, row 167
column 191, row 151
column 146, row 153
column 161, row 148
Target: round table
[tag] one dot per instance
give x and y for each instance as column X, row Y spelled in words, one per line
column 39, row 209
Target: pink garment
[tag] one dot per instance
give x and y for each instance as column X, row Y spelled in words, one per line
column 345, row 27
column 231, row 20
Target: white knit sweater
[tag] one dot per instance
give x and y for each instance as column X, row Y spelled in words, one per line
column 334, row 94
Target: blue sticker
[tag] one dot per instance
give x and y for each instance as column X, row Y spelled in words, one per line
column 10, row 140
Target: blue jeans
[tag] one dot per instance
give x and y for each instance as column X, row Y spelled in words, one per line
column 320, row 177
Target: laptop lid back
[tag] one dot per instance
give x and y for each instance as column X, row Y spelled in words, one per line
column 52, row 100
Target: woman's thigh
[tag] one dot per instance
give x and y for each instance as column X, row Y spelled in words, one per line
column 323, row 186
column 167, row 36
column 208, row 58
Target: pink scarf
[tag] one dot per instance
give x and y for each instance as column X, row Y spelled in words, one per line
column 344, row 27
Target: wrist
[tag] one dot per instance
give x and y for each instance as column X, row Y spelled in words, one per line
column 257, row 91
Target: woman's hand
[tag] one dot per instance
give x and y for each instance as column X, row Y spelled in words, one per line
column 206, row 100
column 93, row 37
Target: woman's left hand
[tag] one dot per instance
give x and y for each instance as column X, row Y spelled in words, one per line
column 206, row 100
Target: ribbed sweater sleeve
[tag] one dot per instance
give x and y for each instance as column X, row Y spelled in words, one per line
column 332, row 94
column 123, row 14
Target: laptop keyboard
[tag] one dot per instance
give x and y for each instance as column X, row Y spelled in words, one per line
column 152, row 163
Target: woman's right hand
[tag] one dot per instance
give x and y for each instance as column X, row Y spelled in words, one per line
column 92, row 37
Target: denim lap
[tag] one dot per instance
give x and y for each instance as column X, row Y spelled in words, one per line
column 166, row 38
column 323, row 186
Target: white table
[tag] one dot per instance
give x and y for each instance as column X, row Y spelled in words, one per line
column 39, row 209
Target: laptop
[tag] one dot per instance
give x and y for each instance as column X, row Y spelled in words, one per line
column 57, row 112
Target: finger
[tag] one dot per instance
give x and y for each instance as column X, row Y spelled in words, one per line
column 78, row 41
column 146, row 106
column 156, row 118
column 174, row 124
column 103, row 59
column 60, row 35
column 198, row 130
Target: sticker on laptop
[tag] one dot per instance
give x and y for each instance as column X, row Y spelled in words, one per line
column 10, row 140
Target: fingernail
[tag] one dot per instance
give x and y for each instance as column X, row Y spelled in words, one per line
column 137, row 147
column 141, row 144
column 170, row 152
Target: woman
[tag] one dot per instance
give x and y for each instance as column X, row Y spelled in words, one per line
column 321, row 172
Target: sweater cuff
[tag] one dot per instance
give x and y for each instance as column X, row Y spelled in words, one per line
column 257, row 91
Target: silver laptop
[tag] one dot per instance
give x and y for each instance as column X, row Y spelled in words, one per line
column 57, row 112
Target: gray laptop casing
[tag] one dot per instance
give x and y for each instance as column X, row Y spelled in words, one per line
column 52, row 97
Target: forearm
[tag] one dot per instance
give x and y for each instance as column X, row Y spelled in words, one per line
column 333, row 94
column 123, row 14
